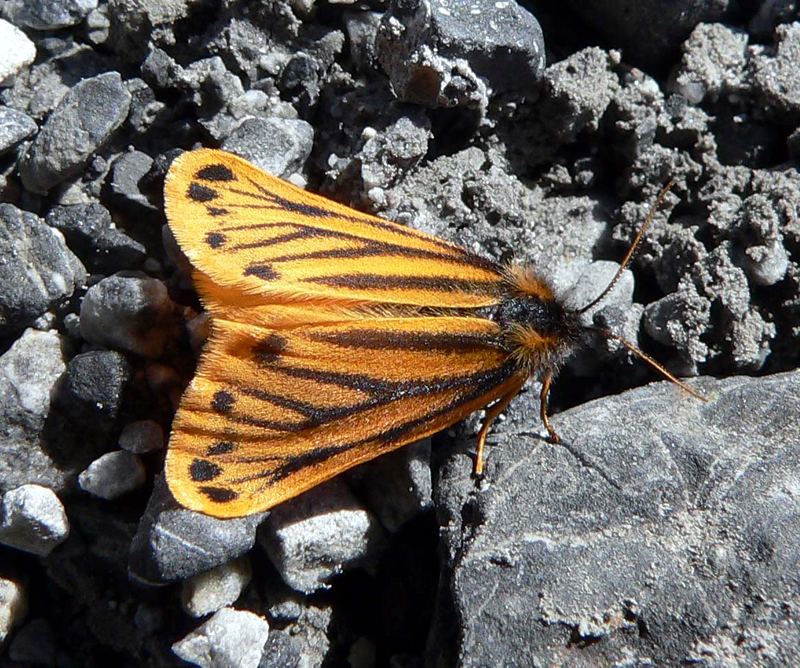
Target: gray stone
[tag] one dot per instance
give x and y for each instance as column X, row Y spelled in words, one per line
column 319, row 534
column 208, row 592
column 279, row 146
column 579, row 89
column 113, row 475
column 38, row 271
column 230, row 638
column 127, row 173
column 714, row 63
column 141, row 437
column 47, row 14
column 391, row 153
column 91, row 234
column 14, row 127
column 13, row 606
column 679, row 320
column 777, row 78
column 33, row 520
column 173, row 543
column 660, row 531
column 129, row 312
column 80, row 125
column 29, row 371
column 16, row 51
column 443, row 54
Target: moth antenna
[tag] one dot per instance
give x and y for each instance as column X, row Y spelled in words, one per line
column 632, row 250
column 644, row 356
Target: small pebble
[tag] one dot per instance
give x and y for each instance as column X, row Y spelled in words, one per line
column 33, row 520
column 210, row 591
column 142, row 436
column 13, row 606
column 113, row 474
column 230, row 638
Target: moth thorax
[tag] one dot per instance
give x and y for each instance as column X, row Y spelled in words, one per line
column 538, row 330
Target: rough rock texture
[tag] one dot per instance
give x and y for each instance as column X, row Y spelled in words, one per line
column 661, row 530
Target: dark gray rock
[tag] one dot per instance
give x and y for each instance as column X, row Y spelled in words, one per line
column 29, row 371
column 91, row 234
column 14, row 127
column 279, row 146
column 127, row 173
column 113, row 474
column 659, row 531
column 38, row 271
column 444, row 54
column 141, row 437
column 33, row 520
column 90, row 393
column 47, row 14
column 80, row 125
column 282, row 651
column 173, row 543
column 129, row 312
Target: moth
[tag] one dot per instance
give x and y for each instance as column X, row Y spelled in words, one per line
column 338, row 336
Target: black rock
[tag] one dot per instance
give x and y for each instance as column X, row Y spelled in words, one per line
column 91, row 234
column 38, row 271
column 279, row 146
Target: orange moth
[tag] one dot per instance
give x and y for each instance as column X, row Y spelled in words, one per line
column 338, row 336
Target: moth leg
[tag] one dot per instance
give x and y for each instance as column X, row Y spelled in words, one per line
column 547, row 380
column 491, row 413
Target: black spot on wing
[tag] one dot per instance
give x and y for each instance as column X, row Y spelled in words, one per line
column 219, row 494
column 215, row 239
column 216, row 211
column 263, row 271
column 223, row 401
column 202, row 470
column 269, row 349
column 215, row 173
column 220, row 448
column 200, row 193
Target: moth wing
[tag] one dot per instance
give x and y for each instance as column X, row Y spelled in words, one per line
column 260, row 238
column 271, row 414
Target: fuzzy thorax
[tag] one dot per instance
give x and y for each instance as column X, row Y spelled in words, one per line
column 538, row 330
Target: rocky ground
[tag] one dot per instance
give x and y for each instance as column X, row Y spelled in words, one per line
column 662, row 531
